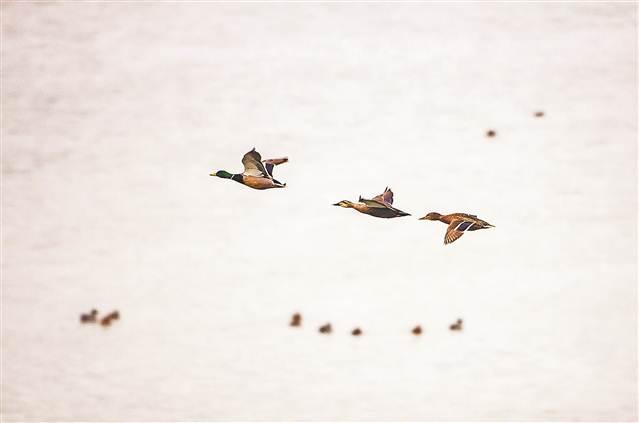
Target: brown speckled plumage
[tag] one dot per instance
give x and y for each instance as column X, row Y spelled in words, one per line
column 458, row 223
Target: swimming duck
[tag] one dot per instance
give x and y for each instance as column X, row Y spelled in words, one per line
column 458, row 223
column 90, row 317
column 457, row 325
column 296, row 320
column 258, row 173
column 106, row 320
column 356, row 332
column 379, row 206
column 417, row 330
column 327, row 328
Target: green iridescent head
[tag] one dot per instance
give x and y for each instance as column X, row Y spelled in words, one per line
column 222, row 174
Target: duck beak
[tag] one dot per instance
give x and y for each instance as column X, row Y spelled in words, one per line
column 422, row 218
column 212, row 173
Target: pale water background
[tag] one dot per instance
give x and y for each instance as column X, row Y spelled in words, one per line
column 115, row 113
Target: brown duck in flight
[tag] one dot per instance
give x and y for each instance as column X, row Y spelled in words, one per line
column 258, row 173
column 458, row 223
column 379, row 206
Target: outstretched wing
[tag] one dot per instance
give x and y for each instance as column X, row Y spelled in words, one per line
column 456, row 229
column 271, row 163
column 452, row 235
column 253, row 166
column 386, row 197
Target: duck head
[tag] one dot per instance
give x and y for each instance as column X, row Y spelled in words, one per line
column 431, row 216
column 222, row 174
column 345, row 203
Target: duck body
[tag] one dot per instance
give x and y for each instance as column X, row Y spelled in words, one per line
column 89, row 317
column 379, row 206
column 458, row 223
column 296, row 320
column 458, row 325
column 258, row 173
column 327, row 328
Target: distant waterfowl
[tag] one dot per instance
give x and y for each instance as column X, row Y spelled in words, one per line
column 458, row 223
column 106, row 320
column 356, row 332
column 296, row 320
column 89, row 317
column 327, row 328
column 539, row 114
column 379, row 206
column 417, row 330
column 457, row 325
column 258, row 173
column 491, row 133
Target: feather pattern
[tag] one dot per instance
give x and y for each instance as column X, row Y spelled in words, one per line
column 253, row 166
column 458, row 223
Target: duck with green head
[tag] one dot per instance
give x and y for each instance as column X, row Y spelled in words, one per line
column 458, row 223
column 378, row 206
column 258, row 173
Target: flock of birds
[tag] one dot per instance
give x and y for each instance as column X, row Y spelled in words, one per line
column 296, row 321
column 258, row 174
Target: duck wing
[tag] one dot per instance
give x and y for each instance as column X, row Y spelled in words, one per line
column 385, row 197
column 452, row 234
column 271, row 163
column 457, row 228
column 375, row 203
column 253, row 166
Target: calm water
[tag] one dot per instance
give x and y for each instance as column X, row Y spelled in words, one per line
column 115, row 114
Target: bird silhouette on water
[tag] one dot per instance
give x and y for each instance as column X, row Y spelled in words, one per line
column 327, row 328
column 296, row 320
column 457, row 325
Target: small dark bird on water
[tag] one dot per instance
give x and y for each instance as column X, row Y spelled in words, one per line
column 417, row 330
column 356, row 332
column 539, row 114
column 491, row 133
column 106, row 320
column 327, row 328
column 296, row 320
column 457, row 325
column 90, row 317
